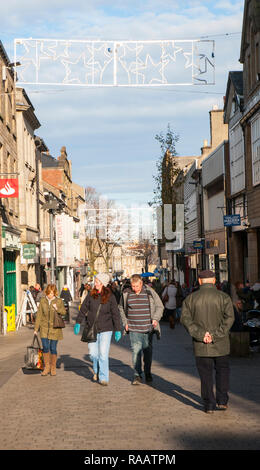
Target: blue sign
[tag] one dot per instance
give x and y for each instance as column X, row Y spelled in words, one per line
column 198, row 244
column 231, row 220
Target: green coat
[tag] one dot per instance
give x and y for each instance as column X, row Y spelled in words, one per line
column 208, row 309
column 45, row 316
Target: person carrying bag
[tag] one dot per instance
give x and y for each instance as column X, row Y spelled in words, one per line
column 103, row 316
column 50, row 306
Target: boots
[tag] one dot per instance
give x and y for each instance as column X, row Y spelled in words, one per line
column 47, row 366
column 53, row 364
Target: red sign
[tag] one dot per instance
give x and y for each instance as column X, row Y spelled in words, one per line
column 9, row 187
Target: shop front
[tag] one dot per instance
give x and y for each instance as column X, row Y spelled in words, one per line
column 11, row 266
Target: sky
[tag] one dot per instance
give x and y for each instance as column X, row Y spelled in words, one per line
column 109, row 132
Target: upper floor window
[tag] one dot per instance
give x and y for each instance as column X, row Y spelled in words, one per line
column 255, row 138
column 237, row 160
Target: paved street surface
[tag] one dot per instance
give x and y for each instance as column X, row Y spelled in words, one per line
column 70, row 412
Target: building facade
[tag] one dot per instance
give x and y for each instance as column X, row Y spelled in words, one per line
column 250, row 122
column 27, row 123
column 10, row 241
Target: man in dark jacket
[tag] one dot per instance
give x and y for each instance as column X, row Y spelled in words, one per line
column 208, row 315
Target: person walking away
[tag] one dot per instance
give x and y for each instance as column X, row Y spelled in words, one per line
column 170, row 304
column 141, row 310
column 108, row 321
column 44, row 321
column 208, row 315
column 179, row 300
column 66, row 295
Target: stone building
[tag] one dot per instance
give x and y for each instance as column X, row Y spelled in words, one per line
column 250, row 122
column 10, row 278
column 235, row 182
column 27, row 123
column 193, row 199
column 215, row 234
column 57, row 180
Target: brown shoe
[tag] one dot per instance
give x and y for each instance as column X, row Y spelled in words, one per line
column 47, row 366
column 222, row 407
column 53, row 364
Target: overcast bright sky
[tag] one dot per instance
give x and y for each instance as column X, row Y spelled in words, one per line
column 110, row 133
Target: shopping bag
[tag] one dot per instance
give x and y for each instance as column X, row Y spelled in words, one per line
column 33, row 358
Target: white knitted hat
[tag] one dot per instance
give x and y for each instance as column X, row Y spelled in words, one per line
column 104, row 278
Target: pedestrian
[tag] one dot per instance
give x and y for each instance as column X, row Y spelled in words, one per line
column 256, row 293
column 115, row 290
column 179, row 300
column 65, row 294
column 107, row 322
column 208, row 315
column 141, row 310
column 39, row 294
column 87, row 288
column 169, row 301
column 44, row 321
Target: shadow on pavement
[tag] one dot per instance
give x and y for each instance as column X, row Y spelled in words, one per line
column 83, row 368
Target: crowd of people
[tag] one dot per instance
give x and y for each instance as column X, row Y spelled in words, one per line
column 135, row 307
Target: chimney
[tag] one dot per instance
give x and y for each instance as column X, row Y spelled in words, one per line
column 218, row 130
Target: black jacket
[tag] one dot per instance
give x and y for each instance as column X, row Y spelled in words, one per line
column 109, row 317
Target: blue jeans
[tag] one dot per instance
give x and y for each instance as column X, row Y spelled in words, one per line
column 141, row 343
column 99, row 352
column 49, row 345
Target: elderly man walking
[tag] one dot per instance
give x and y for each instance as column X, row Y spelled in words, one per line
column 141, row 310
column 208, row 315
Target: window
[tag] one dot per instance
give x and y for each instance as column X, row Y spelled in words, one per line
column 255, row 138
column 237, row 160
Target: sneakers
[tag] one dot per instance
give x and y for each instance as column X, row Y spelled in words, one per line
column 137, row 380
column 103, row 382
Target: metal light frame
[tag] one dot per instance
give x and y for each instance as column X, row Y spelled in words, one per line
column 114, row 63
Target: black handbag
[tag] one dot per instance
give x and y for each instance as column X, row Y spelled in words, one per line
column 89, row 334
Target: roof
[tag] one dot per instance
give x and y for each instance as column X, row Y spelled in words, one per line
column 237, row 79
column 48, row 161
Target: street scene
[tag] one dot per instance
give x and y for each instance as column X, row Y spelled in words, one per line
column 130, row 227
column 87, row 416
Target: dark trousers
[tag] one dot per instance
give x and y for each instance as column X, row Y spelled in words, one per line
column 206, row 366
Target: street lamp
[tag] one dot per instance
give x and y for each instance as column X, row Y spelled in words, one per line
column 52, row 205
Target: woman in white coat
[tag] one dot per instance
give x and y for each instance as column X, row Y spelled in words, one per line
column 170, row 304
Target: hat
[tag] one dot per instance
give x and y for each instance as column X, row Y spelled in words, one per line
column 104, row 278
column 206, row 274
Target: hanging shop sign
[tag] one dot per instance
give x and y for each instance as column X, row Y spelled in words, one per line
column 9, row 187
column 29, row 251
column 231, row 220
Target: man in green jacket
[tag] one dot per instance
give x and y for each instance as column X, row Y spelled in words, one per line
column 208, row 315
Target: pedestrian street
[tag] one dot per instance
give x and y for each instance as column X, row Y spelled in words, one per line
column 69, row 411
